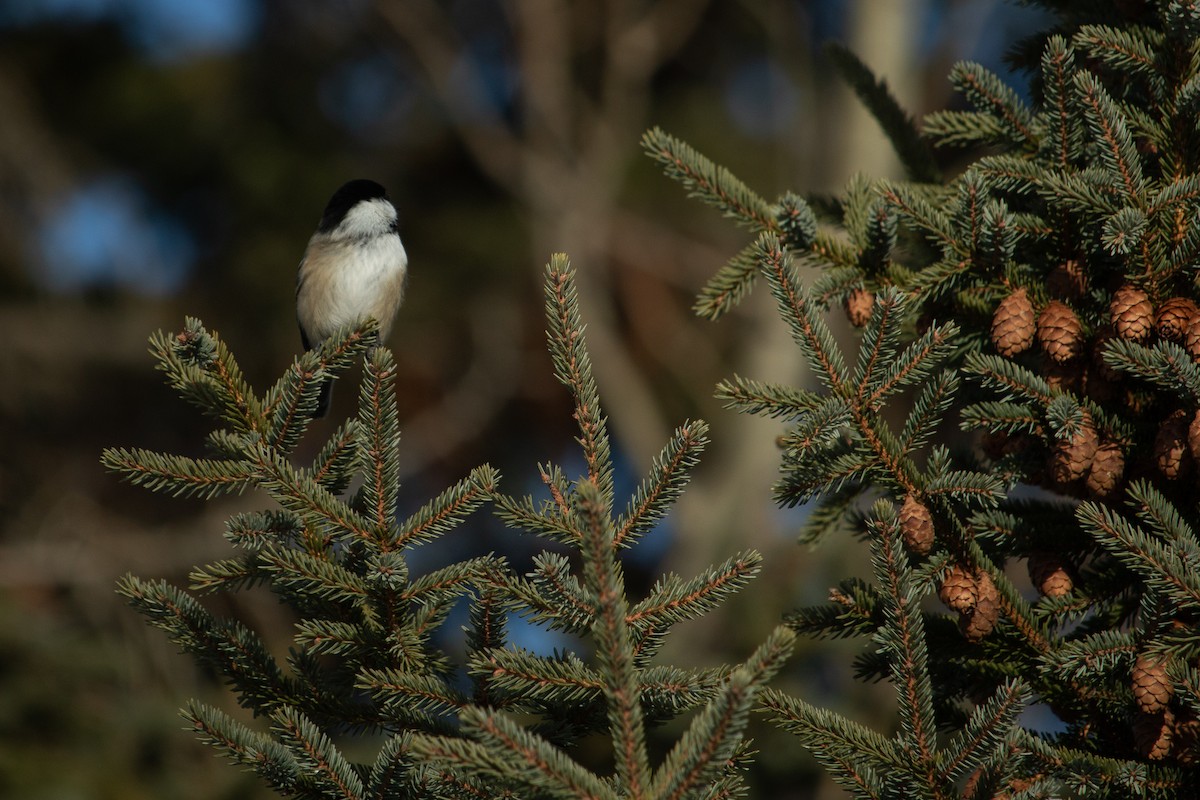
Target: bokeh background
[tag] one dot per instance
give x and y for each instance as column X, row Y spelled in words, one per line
column 163, row 158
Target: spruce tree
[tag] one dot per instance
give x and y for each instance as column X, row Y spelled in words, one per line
column 367, row 660
column 1014, row 429
column 1044, row 301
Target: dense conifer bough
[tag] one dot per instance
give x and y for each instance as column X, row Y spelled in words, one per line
column 1043, row 300
column 367, row 658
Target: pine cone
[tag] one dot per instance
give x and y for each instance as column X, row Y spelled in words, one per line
column 1131, row 312
column 1151, row 686
column 977, row 624
column 916, row 526
column 1185, row 739
column 1067, row 280
column 972, row 783
column 1193, row 436
column 995, row 444
column 1013, row 324
column 1049, row 574
column 1073, row 457
column 1191, row 338
column 1106, row 471
column 858, row 307
column 958, row 590
column 1171, row 445
column 1174, row 317
column 1059, row 331
column 1152, row 733
column 1067, row 377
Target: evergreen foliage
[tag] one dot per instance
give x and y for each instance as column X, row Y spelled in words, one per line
column 1045, row 300
column 1014, row 429
column 369, row 655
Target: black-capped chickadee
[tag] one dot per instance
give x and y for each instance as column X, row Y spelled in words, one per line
column 354, row 267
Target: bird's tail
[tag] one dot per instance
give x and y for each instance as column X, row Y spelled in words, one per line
column 324, row 399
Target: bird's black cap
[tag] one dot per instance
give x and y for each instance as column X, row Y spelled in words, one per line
column 346, row 198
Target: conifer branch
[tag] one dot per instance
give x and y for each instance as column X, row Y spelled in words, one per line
column 1128, row 53
column 200, row 367
column 411, row 691
column 728, row 286
column 448, row 509
column 904, row 638
column 334, row 465
column 552, row 595
column 319, row 761
column 573, row 368
column 808, row 329
column 614, row 646
column 390, row 777
column 962, row 128
column 672, row 599
column 1166, row 364
column 928, row 410
column 291, row 401
column 901, row 131
column 1118, row 153
column 857, row 757
column 180, row 476
column 533, row 678
column 243, row 746
column 1058, row 69
column 1162, row 567
column 774, row 400
column 668, row 476
column 989, row 727
column 299, row 494
column 988, row 93
column 705, row 180
column 380, row 432
column 710, row 741
column 227, row 647
column 290, row 405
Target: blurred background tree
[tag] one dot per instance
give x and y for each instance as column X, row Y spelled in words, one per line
column 167, row 158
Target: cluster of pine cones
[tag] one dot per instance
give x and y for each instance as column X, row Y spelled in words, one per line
column 1159, row 730
column 1087, row 464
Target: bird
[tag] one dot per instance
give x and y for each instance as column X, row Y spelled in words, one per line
column 354, row 267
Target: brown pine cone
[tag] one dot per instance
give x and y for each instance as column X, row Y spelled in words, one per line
column 1067, row 280
column 858, row 306
column 958, row 590
column 1151, row 685
column 1186, row 739
column 1108, row 466
column 1066, row 377
column 1049, row 574
column 1171, row 445
column 1191, row 338
column 1059, row 331
column 916, row 526
column 1174, row 316
column 1013, row 324
column 978, row 623
column 1072, row 458
column 995, row 444
column 1193, row 436
column 1152, row 733
column 1131, row 312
